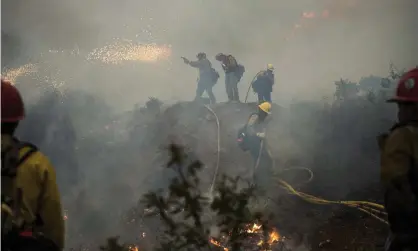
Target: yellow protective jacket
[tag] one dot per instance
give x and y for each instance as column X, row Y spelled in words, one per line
column 399, row 174
column 41, row 206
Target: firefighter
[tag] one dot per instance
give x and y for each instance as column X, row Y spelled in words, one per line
column 399, row 167
column 263, row 84
column 233, row 74
column 207, row 76
column 32, row 218
column 251, row 137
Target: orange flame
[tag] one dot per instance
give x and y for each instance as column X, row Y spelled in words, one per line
column 274, row 236
column 254, row 229
column 217, row 243
column 133, row 248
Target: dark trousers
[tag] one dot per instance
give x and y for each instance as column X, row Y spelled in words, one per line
column 231, row 85
column 205, row 86
column 264, row 96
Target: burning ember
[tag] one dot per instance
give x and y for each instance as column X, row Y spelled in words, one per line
column 126, row 50
column 13, row 74
column 256, row 237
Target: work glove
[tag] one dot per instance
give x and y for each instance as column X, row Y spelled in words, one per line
column 261, row 135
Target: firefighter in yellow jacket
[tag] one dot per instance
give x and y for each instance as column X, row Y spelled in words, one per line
column 251, row 138
column 32, row 217
column 399, row 167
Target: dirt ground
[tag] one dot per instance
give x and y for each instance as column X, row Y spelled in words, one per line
column 335, row 227
column 349, row 229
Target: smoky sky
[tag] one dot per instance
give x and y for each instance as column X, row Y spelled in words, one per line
column 357, row 38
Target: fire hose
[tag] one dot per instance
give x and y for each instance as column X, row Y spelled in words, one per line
column 373, row 209
column 218, row 151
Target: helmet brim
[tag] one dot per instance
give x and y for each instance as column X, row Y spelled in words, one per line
column 12, row 120
column 265, row 111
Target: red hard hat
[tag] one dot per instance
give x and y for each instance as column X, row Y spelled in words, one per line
column 407, row 90
column 12, row 108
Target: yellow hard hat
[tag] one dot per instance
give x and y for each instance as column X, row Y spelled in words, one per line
column 270, row 67
column 265, row 107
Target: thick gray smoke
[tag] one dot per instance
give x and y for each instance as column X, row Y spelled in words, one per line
column 358, row 38
column 107, row 156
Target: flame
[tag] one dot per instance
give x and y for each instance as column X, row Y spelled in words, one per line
column 133, row 248
column 217, row 243
column 254, row 229
column 274, row 237
column 14, row 73
column 129, row 51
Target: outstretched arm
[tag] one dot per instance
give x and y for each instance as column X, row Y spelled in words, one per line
column 196, row 64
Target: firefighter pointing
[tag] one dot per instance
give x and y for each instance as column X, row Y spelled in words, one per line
column 31, row 211
column 399, row 167
column 207, row 76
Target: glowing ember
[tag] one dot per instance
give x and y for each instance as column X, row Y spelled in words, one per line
column 255, row 231
column 129, row 51
column 14, row 73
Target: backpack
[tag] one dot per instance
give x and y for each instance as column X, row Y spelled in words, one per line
column 10, row 162
column 240, row 71
column 214, row 75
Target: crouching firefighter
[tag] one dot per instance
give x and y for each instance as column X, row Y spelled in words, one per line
column 263, row 84
column 31, row 215
column 399, row 167
column 251, row 138
column 208, row 76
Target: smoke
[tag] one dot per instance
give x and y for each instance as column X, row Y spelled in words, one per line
column 304, row 39
column 311, row 43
